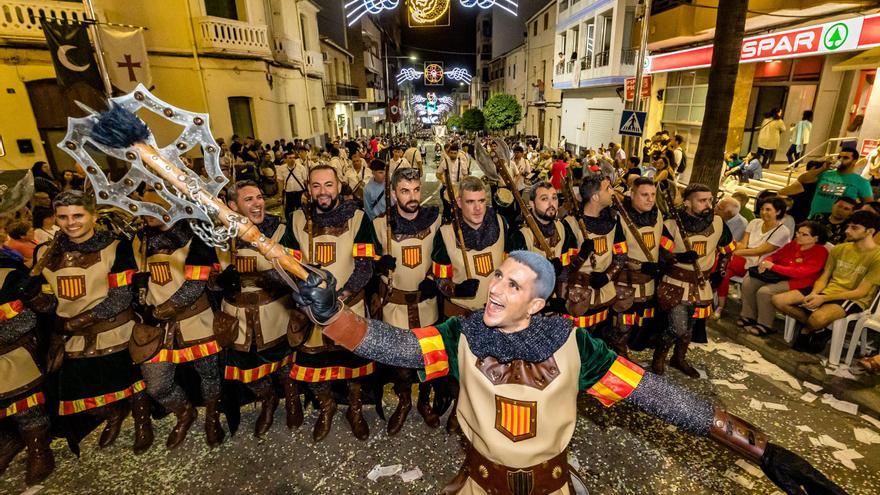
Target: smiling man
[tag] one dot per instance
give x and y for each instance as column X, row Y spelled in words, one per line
column 520, row 375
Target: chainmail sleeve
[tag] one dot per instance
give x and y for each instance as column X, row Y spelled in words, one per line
column 673, row 404
column 118, row 299
column 17, row 327
column 363, row 271
column 390, row 345
column 188, row 292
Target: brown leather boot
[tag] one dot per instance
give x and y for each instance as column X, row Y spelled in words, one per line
column 326, row 410
column 214, row 433
column 186, row 416
column 10, row 445
column 268, row 405
column 292, row 404
column 114, row 414
column 678, row 358
column 143, row 424
column 404, row 404
column 423, row 406
column 40, row 460
column 658, row 363
column 354, row 415
column 452, row 425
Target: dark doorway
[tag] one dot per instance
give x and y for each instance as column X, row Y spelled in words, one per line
column 764, row 99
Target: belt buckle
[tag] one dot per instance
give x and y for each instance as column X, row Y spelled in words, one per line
column 521, row 481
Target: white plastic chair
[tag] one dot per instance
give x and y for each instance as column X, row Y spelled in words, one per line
column 838, row 331
column 860, row 336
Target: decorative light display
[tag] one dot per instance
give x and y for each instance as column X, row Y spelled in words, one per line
column 429, row 108
column 420, row 11
column 408, row 74
column 433, row 74
column 459, row 74
column 455, row 74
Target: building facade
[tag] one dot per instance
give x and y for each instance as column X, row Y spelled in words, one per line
column 543, row 102
column 516, row 73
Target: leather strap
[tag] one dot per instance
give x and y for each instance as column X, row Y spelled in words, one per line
column 738, row 435
column 684, row 275
column 102, row 326
column 251, row 299
column 450, row 309
column 405, row 297
column 28, row 340
column 540, row 479
column 200, row 305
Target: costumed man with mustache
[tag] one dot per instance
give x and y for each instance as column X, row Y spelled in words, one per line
column 179, row 263
column 410, row 299
column 90, row 274
column 459, row 166
column 336, row 235
column 685, row 294
column 644, row 239
column 24, row 421
column 591, row 290
column 256, row 302
column 520, row 376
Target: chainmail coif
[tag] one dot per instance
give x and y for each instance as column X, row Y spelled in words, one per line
column 540, row 340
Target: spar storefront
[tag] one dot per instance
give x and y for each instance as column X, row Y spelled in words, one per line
column 829, row 68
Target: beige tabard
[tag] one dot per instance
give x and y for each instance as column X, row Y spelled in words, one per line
column 555, row 242
column 599, row 261
column 482, row 264
column 705, row 243
column 651, row 236
column 18, row 369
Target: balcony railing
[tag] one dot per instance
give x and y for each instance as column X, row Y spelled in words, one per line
column 569, row 66
column 560, row 69
column 288, row 50
column 586, row 62
column 227, row 36
column 314, row 63
column 628, row 56
column 21, row 19
column 375, row 95
column 341, row 92
column 601, row 59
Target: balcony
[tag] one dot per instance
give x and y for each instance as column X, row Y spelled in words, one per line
column 372, row 62
column 628, row 56
column 229, row 37
column 20, row 20
column 601, row 59
column 586, row 62
column 314, row 63
column 288, row 51
column 341, row 92
column 375, row 95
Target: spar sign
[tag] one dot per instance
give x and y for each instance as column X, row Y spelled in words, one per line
column 837, row 36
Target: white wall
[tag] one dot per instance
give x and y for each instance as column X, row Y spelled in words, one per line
column 575, row 114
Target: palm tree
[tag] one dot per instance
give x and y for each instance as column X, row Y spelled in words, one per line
column 729, row 27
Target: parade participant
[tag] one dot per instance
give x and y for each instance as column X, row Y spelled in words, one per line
column 520, row 168
column 520, row 373
column 685, row 291
column 374, row 191
column 453, row 167
column 410, row 296
column 89, row 273
column 414, row 156
column 21, row 385
column 336, row 235
column 398, row 160
column 256, row 299
column 645, row 235
column 602, row 254
column 292, row 176
column 179, row 264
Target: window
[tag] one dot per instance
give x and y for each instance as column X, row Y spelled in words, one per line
column 535, row 28
column 685, row 96
column 226, row 9
column 315, row 118
column 546, row 20
column 291, row 113
column 241, row 115
column 303, row 32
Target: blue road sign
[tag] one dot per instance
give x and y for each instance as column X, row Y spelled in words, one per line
column 632, row 123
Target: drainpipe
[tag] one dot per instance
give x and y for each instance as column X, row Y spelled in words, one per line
column 195, row 53
column 643, row 53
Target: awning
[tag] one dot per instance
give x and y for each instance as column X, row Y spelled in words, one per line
column 868, row 59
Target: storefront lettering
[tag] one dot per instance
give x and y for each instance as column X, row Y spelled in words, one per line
column 781, row 45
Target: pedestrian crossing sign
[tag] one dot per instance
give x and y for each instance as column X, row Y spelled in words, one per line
column 632, row 123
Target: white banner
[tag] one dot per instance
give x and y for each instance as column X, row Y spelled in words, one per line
column 125, row 56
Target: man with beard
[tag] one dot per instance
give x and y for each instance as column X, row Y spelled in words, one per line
column 685, row 294
column 90, row 274
column 335, row 235
column 458, row 164
column 520, row 374
column 255, row 299
column 21, row 390
column 410, row 297
column 645, row 236
column 591, row 290
column 397, row 159
column 179, row 264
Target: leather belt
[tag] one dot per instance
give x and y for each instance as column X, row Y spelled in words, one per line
column 28, row 341
column 102, row 326
column 683, row 275
column 201, row 304
column 406, row 297
column 540, row 479
column 255, row 298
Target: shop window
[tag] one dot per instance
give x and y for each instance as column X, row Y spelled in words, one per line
column 685, row 96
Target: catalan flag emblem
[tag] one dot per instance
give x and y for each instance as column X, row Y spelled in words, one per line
column 412, row 256
column 515, row 419
column 600, row 245
column 483, row 264
column 649, row 239
column 700, row 248
column 246, row 264
column 325, row 253
column 621, row 379
column 160, row 272
column 71, row 287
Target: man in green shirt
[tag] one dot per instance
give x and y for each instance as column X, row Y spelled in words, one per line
column 832, row 184
column 847, row 286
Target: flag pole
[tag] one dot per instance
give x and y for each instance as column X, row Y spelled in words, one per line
column 90, row 13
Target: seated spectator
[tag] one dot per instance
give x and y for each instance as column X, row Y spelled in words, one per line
column 763, row 236
column 44, row 225
column 836, row 220
column 795, row 266
column 847, row 285
column 743, row 199
column 728, row 210
column 750, row 168
column 21, row 240
column 832, row 184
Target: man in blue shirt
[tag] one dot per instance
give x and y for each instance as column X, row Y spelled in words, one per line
column 374, row 191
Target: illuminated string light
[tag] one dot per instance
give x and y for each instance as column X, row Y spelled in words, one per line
column 427, row 11
column 355, row 9
column 459, row 74
column 421, row 11
column 408, row 74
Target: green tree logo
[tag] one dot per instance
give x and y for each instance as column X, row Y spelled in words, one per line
column 835, row 36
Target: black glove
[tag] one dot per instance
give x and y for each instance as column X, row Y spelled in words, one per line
column 586, row 249
column 322, row 303
column 468, row 288
column 29, row 288
column 555, row 305
column 715, row 279
column 386, row 264
column 791, row 472
column 229, row 279
column 598, row 280
column 428, row 288
column 557, row 266
column 140, row 280
column 687, row 257
column 652, row 269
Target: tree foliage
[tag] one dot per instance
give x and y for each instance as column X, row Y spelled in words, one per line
column 472, row 120
column 453, row 122
column 502, row 112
